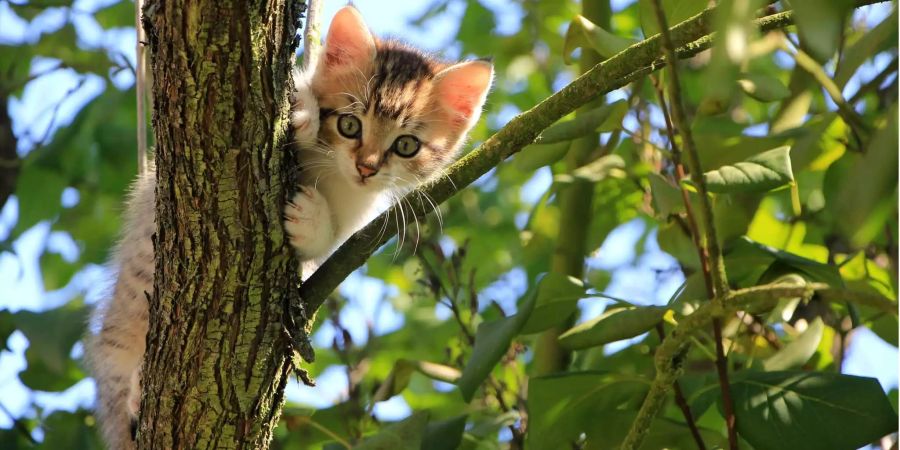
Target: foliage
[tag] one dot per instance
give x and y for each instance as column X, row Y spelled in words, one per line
column 803, row 190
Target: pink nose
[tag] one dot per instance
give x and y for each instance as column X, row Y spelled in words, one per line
column 366, row 171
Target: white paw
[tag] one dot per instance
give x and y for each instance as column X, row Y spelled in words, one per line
column 304, row 112
column 307, row 220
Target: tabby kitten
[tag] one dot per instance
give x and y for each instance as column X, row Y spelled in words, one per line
column 371, row 121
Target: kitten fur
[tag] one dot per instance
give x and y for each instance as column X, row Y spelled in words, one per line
column 382, row 91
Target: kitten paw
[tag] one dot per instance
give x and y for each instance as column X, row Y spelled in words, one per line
column 133, row 401
column 307, row 220
column 304, row 112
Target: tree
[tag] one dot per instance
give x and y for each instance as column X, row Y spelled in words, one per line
column 786, row 241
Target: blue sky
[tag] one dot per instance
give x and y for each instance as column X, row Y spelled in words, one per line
column 20, row 276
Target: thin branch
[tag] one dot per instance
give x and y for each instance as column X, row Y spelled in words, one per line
column 140, row 87
column 691, row 36
column 710, row 254
column 312, row 36
column 670, row 354
column 682, row 402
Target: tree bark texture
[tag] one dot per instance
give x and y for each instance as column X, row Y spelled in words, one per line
column 217, row 359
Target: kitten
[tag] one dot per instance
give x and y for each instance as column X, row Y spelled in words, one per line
column 390, row 118
column 371, row 121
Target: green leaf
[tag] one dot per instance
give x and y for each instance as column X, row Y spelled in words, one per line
column 396, row 381
column 666, row 197
column 56, row 271
column 820, row 24
column 557, row 299
column 867, row 46
column 535, row 156
column 584, row 33
column 39, row 192
column 676, row 11
column 798, row 352
column 491, row 342
column 598, row 120
column 595, row 171
column 864, row 200
column 814, row 410
column 886, row 328
column 764, row 88
column 760, row 173
column 560, row 407
column 51, row 335
column 663, row 433
column 444, row 435
column 403, row 435
column 61, row 44
column 71, row 431
column 720, row 142
column 748, row 261
column 7, row 326
column 611, row 326
column 117, row 15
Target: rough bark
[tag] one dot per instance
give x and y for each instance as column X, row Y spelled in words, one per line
column 217, row 359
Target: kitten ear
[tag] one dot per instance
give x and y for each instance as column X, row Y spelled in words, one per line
column 349, row 44
column 461, row 90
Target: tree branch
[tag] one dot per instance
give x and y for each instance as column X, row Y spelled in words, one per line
column 670, row 354
column 691, row 37
column 710, row 253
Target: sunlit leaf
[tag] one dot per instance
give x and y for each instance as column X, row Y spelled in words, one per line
column 560, row 407
column 601, row 119
column 611, row 326
column 798, row 351
column 759, row 173
column 116, row 15
column 535, row 156
column 865, row 198
column 583, row 33
column 820, row 410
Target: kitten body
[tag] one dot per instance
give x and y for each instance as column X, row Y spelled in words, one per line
column 374, row 119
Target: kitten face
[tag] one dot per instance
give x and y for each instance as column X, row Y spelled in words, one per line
column 391, row 116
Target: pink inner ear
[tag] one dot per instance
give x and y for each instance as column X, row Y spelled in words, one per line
column 462, row 89
column 349, row 41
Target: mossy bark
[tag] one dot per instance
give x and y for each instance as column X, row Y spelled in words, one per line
column 217, row 359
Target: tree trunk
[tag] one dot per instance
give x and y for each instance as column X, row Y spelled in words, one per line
column 217, row 360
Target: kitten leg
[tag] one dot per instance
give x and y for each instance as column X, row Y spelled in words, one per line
column 308, row 223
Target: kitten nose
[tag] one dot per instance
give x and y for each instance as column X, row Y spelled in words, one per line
column 365, row 170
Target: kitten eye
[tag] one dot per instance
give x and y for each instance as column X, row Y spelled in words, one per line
column 406, row 146
column 349, row 126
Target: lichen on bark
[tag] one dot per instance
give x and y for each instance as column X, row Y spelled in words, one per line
column 217, row 357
